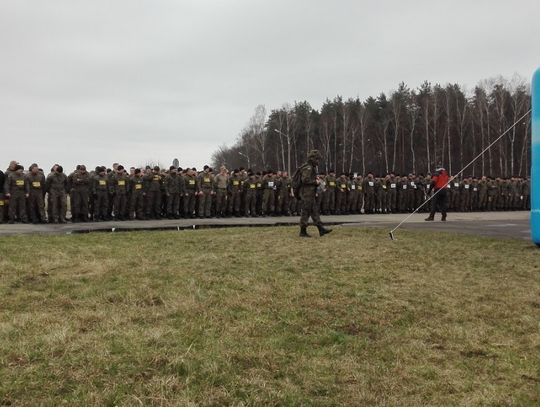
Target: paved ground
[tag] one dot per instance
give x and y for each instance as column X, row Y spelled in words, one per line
column 497, row 224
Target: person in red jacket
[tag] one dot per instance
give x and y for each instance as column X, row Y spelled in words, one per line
column 438, row 186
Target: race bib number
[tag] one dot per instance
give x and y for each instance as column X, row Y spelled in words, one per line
column 252, row 186
column 448, row 186
column 475, row 189
column 207, row 180
column 36, row 184
column 156, row 178
column 383, row 186
column 271, row 183
column 456, row 184
column 370, row 183
column 138, row 186
column 259, row 185
column 191, row 182
column 1, row 202
column 404, row 186
column 392, row 185
column 332, row 183
column 102, row 182
column 353, row 187
column 413, row 184
column 343, row 186
column 466, row 186
column 236, row 183
column 19, row 182
column 121, row 182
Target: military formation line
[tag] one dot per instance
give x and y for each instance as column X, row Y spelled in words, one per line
column 153, row 193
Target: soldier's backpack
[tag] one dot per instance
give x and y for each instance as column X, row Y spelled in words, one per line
column 296, row 182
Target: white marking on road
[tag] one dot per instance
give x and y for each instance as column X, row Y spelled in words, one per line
column 504, row 225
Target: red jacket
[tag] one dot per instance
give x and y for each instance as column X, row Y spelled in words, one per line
column 439, row 181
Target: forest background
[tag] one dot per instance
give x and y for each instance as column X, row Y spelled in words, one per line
column 405, row 131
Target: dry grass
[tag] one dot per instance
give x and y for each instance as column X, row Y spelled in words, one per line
column 259, row 317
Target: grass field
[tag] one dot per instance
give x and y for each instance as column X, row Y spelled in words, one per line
column 257, row 316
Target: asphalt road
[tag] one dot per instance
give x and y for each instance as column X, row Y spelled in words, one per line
column 495, row 224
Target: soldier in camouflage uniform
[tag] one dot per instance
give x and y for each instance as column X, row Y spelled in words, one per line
column 79, row 184
column 35, row 180
column 250, row 193
column 420, row 191
column 222, row 188
column 283, row 194
column 475, row 194
column 392, row 193
column 16, row 190
column 483, row 193
column 57, row 187
column 205, row 184
column 369, row 193
column 465, row 195
column 455, row 196
column 330, row 193
column 235, row 193
column 403, row 200
column 411, row 191
column 353, row 195
column 526, row 193
column 308, row 194
column 174, row 189
column 190, row 192
column 382, row 194
column 137, row 195
column 120, row 187
column 515, row 188
column 493, row 194
column 153, row 187
column 342, row 189
column 100, row 191
column 268, row 184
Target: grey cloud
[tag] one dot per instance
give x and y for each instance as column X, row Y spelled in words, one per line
column 106, row 81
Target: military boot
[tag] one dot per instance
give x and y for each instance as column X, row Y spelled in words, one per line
column 443, row 218
column 303, row 232
column 429, row 218
column 323, row 231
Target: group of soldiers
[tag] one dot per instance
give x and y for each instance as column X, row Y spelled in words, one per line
column 154, row 193
column 393, row 193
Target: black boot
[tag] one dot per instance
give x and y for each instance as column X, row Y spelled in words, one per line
column 429, row 218
column 443, row 218
column 303, row 232
column 323, row 231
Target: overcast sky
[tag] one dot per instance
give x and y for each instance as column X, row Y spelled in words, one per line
column 132, row 81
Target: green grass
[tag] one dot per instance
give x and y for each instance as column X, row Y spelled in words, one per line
column 260, row 317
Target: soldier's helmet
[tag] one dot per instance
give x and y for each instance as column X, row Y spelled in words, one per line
column 314, row 155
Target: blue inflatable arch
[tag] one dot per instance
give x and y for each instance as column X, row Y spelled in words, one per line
column 535, row 159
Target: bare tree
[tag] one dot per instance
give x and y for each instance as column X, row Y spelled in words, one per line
column 257, row 131
column 397, row 99
column 413, row 111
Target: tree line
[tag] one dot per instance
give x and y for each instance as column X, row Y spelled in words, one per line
column 406, row 131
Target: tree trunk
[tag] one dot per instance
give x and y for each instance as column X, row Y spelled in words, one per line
column 426, row 122
column 448, row 133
